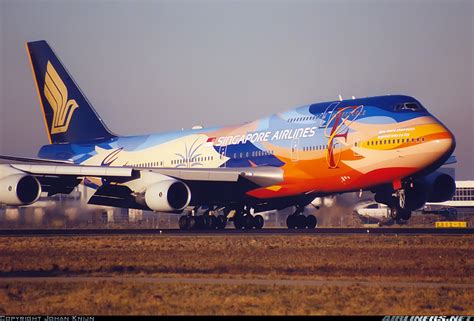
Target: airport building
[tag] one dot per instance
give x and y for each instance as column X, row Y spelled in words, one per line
column 463, row 199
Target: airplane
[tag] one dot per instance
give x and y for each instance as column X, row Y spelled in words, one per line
column 390, row 145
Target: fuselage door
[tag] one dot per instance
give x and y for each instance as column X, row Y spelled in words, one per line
column 222, row 153
column 294, row 149
column 356, row 145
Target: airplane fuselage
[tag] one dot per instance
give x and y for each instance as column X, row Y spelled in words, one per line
column 324, row 148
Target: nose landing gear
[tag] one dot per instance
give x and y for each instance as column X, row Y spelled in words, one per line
column 398, row 209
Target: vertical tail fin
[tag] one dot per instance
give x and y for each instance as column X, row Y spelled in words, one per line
column 69, row 117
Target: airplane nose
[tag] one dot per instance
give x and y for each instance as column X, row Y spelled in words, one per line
column 453, row 142
column 445, row 144
column 450, row 144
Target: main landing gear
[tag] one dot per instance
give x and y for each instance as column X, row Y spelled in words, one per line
column 244, row 220
column 207, row 221
column 299, row 221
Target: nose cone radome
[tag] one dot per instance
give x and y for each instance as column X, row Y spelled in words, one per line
column 447, row 144
column 444, row 145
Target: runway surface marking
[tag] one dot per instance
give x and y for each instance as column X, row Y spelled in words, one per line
column 219, row 281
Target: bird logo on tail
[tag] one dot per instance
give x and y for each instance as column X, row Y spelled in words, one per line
column 56, row 93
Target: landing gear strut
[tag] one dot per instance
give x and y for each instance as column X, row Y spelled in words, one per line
column 299, row 221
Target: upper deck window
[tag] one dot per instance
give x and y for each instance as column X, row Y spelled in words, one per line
column 411, row 106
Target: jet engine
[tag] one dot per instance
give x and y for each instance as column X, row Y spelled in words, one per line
column 440, row 187
column 435, row 187
column 19, row 189
column 165, row 196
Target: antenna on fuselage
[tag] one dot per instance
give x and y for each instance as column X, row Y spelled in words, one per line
column 340, row 97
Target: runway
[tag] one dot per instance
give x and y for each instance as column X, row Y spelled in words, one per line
column 238, row 281
column 191, row 272
column 230, row 231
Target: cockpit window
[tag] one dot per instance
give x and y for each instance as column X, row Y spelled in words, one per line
column 411, row 106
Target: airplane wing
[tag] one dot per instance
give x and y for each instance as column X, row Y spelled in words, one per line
column 121, row 186
column 261, row 176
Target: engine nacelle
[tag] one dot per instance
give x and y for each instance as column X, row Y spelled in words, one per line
column 166, row 196
column 19, row 189
column 436, row 187
column 440, row 187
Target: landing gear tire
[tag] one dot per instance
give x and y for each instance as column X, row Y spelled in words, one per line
column 200, row 223
column 206, row 221
column 221, row 222
column 397, row 214
column 259, row 221
column 191, row 223
column 311, row 221
column 238, row 223
column 213, row 224
column 183, row 223
column 249, row 222
column 291, row 221
column 301, row 222
column 394, row 213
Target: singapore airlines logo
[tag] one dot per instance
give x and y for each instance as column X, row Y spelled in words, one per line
column 55, row 92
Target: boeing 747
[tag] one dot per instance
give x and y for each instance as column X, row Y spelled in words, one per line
column 390, row 145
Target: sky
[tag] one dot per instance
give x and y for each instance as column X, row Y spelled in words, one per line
column 154, row 66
